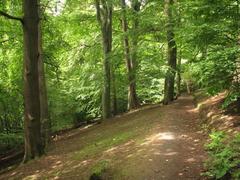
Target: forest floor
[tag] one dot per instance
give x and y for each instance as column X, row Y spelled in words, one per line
column 155, row 142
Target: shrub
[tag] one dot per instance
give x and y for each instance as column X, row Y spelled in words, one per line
column 10, row 141
column 224, row 156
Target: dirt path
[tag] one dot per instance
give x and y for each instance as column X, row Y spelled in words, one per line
column 161, row 142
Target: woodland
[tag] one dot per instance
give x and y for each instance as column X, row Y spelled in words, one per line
column 79, row 78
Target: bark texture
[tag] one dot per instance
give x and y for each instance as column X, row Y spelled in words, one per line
column 131, row 53
column 114, row 92
column 32, row 125
column 104, row 17
column 44, row 113
column 179, row 78
column 171, row 54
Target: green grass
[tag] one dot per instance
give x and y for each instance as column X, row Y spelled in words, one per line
column 103, row 144
column 100, row 167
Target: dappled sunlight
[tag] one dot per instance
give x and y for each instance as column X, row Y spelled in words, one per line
column 192, row 148
column 215, row 99
column 210, row 114
column 111, row 149
column 35, row 176
column 72, row 133
column 190, row 160
column 120, row 148
column 157, row 153
column 158, row 145
column 165, row 136
column 58, row 164
column 15, row 173
column 192, row 110
column 170, row 153
column 130, row 155
column 159, row 137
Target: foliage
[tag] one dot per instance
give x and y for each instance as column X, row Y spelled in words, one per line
column 224, row 156
column 206, row 32
column 210, row 33
column 10, row 141
column 99, row 168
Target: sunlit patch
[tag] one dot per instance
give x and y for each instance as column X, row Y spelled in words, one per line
column 85, row 162
column 169, row 150
column 170, row 154
column 165, row 136
column 157, row 144
column 191, row 160
column 14, row 173
column 34, row 176
column 180, row 174
column 122, row 147
column 111, row 149
column 184, row 136
column 58, row 162
column 88, row 126
column 158, row 137
column 139, row 150
column 210, row 114
column 130, row 155
column 194, row 110
column 192, row 148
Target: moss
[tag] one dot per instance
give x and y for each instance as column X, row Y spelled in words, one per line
column 100, row 167
column 103, row 144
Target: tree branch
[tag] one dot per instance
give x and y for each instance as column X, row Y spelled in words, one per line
column 10, row 16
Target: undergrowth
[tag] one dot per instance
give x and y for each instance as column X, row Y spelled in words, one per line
column 10, row 141
column 224, row 156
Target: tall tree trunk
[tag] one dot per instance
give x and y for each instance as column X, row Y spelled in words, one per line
column 131, row 92
column 171, row 54
column 179, row 79
column 188, row 84
column 114, row 91
column 104, row 16
column 44, row 113
column 32, row 125
column 131, row 55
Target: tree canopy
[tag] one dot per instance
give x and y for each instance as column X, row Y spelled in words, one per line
column 94, row 59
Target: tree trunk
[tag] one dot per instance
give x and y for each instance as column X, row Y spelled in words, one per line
column 131, row 92
column 179, row 79
column 32, row 125
column 104, row 16
column 131, row 55
column 114, row 92
column 44, row 114
column 171, row 54
column 188, row 86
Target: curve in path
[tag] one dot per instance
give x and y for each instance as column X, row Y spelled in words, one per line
column 161, row 142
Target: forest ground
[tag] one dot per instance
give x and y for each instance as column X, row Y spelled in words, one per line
column 155, row 142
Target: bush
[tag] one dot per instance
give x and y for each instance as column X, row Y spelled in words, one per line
column 224, row 156
column 10, row 141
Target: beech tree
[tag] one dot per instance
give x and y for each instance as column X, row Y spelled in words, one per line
column 104, row 10
column 33, row 79
column 171, row 53
column 94, row 72
column 130, row 50
column 44, row 112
